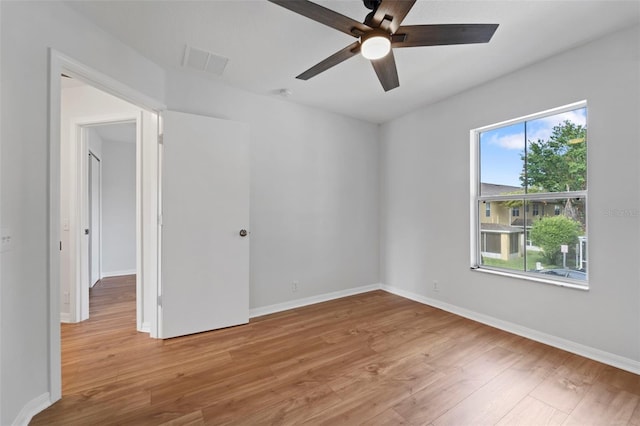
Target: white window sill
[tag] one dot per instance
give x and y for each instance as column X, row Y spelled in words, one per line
column 530, row 277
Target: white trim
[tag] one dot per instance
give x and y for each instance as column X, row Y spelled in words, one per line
column 65, row 317
column 32, row 408
column 118, row 273
column 56, row 67
column 100, row 81
column 92, row 228
column 298, row 303
column 568, row 282
column 534, row 196
column 534, row 116
column 548, row 339
column 474, row 191
column 139, row 237
column 146, row 327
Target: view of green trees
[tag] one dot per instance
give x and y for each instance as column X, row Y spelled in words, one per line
column 556, row 165
column 550, row 233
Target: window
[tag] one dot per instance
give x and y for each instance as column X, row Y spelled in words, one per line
column 531, row 176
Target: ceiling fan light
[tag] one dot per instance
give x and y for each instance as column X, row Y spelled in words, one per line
column 376, row 46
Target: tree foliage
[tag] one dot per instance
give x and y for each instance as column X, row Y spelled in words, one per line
column 558, row 164
column 549, row 233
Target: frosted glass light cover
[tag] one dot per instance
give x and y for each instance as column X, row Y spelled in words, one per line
column 375, row 47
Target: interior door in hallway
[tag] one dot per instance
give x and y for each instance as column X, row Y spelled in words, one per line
column 205, row 222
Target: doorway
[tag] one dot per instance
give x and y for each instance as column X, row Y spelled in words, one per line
column 123, row 237
column 65, row 211
column 92, row 124
column 111, row 196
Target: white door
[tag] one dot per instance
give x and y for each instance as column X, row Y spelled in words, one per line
column 94, row 219
column 205, row 205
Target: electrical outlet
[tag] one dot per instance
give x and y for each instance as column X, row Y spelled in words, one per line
column 294, row 286
column 436, row 286
column 6, row 240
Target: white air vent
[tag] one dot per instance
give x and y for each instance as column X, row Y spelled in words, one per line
column 202, row 60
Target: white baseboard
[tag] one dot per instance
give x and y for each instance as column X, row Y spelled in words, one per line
column 32, row 408
column 298, row 303
column 146, row 327
column 65, row 317
column 118, row 273
column 548, row 339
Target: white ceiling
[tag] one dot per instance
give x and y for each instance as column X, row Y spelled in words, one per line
column 268, row 46
column 117, row 132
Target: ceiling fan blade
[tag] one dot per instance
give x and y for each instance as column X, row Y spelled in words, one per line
column 340, row 56
column 324, row 16
column 437, row 35
column 387, row 72
column 397, row 9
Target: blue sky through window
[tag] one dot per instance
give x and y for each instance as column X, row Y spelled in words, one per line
column 501, row 149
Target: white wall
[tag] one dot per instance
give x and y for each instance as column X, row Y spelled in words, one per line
column 27, row 29
column 314, row 190
column 425, row 198
column 119, row 207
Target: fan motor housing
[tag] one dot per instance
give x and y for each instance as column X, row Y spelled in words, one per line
column 371, row 4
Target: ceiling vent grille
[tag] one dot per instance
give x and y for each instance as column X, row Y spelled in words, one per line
column 202, row 60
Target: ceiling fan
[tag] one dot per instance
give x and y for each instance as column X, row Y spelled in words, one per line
column 381, row 31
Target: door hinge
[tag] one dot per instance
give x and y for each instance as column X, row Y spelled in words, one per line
column 60, row 245
column 160, row 301
column 159, row 220
column 161, row 139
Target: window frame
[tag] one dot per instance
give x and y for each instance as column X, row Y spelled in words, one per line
column 476, row 199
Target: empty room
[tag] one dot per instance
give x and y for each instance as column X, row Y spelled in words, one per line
column 322, row 212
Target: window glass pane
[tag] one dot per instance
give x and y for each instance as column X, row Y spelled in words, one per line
column 556, row 158
column 558, row 243
column 502, row 237
column 502, row 160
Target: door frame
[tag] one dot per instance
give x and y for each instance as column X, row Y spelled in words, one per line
column 90, row 206
column 80, row 275
column 59, row 64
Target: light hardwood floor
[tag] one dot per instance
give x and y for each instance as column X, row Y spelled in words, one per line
column 373, row 359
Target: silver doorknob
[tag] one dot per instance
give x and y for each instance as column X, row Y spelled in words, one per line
column 243, row 232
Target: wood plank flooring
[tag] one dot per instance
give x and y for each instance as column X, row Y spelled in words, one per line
column 371, row 359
